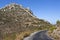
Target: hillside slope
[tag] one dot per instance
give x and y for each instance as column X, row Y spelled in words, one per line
column 16, row 20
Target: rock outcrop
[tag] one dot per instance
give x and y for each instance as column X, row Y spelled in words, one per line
column 56, row 32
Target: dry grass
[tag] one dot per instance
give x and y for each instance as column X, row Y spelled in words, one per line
column 23, row 35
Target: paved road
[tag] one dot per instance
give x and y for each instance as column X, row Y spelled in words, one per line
column 40, row 35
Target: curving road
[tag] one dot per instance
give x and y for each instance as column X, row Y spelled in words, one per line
column 39, row 35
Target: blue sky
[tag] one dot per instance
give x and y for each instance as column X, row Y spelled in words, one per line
column 48, row 10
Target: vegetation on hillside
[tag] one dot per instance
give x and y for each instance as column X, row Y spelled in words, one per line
column 17, row 22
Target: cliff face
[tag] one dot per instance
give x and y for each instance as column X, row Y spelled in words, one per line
column 15, row 19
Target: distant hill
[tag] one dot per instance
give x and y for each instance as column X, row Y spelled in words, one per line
column 17, row 22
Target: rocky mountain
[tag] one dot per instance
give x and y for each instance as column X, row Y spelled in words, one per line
column 17, row 22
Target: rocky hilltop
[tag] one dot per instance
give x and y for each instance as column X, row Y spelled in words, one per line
column 17, row 22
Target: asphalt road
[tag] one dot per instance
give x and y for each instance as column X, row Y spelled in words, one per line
column 39, row 35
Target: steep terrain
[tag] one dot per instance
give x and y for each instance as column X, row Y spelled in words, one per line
column 17, row 22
